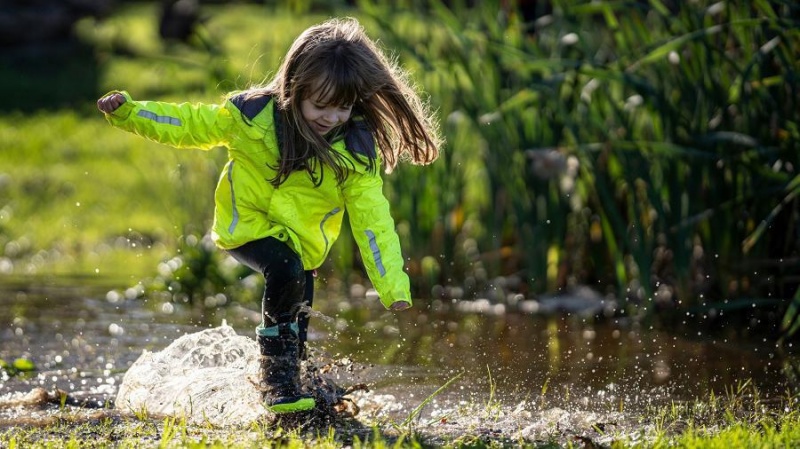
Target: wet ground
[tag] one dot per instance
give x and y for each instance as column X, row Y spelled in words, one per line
column 524, row 373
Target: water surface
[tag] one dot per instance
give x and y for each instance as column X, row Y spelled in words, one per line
column 83, row 338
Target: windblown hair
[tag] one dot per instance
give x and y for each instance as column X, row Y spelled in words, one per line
column 337, row 61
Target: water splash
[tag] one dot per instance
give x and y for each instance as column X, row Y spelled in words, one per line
column 211, row 377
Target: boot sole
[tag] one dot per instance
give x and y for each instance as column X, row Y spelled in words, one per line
column 300, row 405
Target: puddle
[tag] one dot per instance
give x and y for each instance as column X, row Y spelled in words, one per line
column 517, row 370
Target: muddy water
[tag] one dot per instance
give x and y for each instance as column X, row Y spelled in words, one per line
column 83, row 339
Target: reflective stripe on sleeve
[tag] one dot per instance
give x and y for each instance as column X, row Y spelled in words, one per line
column 376, row 252
column 159, row 118
column 234, row 212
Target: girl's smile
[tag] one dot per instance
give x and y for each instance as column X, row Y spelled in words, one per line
column 323, row 117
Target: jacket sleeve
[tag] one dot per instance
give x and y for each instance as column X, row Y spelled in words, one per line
column 183, row 125
column 374, row 232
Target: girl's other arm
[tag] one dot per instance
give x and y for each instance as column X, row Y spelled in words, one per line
column 374, row 232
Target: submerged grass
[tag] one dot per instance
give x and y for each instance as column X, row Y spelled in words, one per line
column 740, row 419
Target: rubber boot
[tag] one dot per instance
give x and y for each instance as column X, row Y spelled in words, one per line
column 280, row 369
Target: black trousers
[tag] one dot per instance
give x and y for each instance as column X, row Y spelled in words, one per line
column 287, row 286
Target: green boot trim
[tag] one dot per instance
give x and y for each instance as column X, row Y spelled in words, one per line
column 300, row 405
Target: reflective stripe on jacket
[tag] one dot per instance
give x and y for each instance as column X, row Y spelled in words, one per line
column 248, row 207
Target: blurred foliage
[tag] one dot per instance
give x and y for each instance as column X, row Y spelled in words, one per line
column 201, row 274
column 18, row 366
column 647, row 149
column 631, row 146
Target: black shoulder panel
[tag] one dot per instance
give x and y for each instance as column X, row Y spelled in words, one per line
column 250, row 107
column 277, row 120
column 359, row 139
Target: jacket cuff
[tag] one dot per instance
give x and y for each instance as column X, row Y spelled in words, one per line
column 387, row 301
column 124, row 110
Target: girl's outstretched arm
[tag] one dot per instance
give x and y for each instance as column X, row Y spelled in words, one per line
column 183, row 125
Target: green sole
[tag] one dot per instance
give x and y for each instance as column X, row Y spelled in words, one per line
column 301, row 405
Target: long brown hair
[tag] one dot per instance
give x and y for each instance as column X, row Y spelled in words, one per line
column 335, row 60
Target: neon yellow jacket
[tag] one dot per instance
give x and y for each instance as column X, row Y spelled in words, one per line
column 248, row 207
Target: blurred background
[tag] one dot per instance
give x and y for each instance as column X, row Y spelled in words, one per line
column 634, row 159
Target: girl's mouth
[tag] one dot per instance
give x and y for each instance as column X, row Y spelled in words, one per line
column 322, row 129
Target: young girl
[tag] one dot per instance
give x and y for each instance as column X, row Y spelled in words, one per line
column 302, row 150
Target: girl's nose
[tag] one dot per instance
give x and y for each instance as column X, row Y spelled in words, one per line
column 332, row 117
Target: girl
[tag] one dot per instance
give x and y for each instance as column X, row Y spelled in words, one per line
column 302, row 150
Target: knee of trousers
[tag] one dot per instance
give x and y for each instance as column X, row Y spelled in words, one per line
column 285, row 283
column 288, row 271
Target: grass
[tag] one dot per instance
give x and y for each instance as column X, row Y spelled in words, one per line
column 740, row 419
column 59, row 194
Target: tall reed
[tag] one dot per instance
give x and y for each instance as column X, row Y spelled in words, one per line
column 634, row 145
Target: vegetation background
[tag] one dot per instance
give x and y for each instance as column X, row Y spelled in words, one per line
column 645, row 149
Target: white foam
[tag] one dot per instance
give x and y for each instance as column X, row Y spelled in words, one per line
column 208, row 377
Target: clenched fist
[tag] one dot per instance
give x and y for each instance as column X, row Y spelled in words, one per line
column 110, row 102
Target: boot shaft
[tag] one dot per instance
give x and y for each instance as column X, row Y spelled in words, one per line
column 279, row 340
column 280, row 369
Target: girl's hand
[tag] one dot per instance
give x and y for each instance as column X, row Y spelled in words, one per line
column 400, row 305
column 110, row 102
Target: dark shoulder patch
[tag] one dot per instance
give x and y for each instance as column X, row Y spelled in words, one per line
column 359, row 139
column 277, row 120
column 250, row 105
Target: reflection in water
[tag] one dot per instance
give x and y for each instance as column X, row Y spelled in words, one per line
column 558, row 358
column 83, row 340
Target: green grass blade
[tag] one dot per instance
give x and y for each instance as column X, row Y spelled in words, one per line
column 422, row 405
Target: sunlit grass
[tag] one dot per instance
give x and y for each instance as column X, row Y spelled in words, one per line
column 739, row 419
column 84, row 194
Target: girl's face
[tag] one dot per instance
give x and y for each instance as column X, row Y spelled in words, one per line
column 323, row 116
